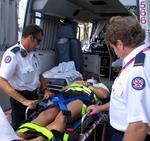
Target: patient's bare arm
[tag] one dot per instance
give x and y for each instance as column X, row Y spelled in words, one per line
column 100, row 92
column 81, row 82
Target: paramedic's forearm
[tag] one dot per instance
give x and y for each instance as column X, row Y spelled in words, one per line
column 104, row 107
column 6, row 87
column 93, row 109
column 43, row 83
column 136, row 131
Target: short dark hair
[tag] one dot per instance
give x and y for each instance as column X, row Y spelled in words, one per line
column 32, row 29
column 94, row 75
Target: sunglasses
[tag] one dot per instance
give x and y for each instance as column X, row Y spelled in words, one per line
column 38, row 40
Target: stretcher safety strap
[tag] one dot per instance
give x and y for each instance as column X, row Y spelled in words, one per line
column 61, row 103
column 66, row 137
column 37, row 128
column 83, row 111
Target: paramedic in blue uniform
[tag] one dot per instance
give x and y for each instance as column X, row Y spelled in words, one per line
column 130, row 96
column 19, row 73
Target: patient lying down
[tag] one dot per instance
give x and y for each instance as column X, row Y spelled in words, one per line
column 53, row 120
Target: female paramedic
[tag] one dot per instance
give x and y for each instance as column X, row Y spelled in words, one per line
column 53, row 121
column 130, row 99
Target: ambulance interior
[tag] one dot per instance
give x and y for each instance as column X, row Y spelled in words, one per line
column 80, row 23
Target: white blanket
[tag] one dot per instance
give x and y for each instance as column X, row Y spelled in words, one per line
column 65, row 70
column 7, row 132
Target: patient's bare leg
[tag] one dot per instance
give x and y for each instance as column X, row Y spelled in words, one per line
column 44, row 119
column 59, row 123
column 47, row 116
column 75, row 107
column 37, row 139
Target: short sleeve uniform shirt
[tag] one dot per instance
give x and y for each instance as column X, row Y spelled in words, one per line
column 21, row 69
column 130, row 96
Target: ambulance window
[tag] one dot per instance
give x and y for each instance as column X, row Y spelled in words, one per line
column 84, row 35
column 22, row 5
column 38, row 16
column 84, row 31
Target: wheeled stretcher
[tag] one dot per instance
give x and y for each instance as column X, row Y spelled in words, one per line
column 78, row 130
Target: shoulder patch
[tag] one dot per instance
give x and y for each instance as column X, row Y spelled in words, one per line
column 139, row 59
column 7, row 59
column 15, row 49
column 138, row 83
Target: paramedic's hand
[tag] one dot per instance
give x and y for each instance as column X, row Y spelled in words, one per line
column 30, row 103
column 93, row 109
column 47, row 94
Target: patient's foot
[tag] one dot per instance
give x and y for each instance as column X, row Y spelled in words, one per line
column 27, row 136
column 22, row 135
column 40, row 138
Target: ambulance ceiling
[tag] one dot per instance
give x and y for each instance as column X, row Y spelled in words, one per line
column 85, row 10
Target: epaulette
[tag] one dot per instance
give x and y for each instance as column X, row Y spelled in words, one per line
column 23, row 53
column 15, row 49
column 139, row 59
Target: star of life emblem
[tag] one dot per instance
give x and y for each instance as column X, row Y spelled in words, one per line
column 138, row 83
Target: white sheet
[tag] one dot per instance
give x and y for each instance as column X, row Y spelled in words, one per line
column 65, row 70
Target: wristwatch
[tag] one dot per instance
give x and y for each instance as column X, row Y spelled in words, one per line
column 45, row 88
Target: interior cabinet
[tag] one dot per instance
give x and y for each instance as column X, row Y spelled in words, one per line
column 105, row 66
column 97, row 64
column 91, row 63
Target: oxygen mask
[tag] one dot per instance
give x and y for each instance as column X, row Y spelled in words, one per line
column 90, row 82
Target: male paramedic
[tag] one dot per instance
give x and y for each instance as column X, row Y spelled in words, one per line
column 19, row 73
column 130, row 96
